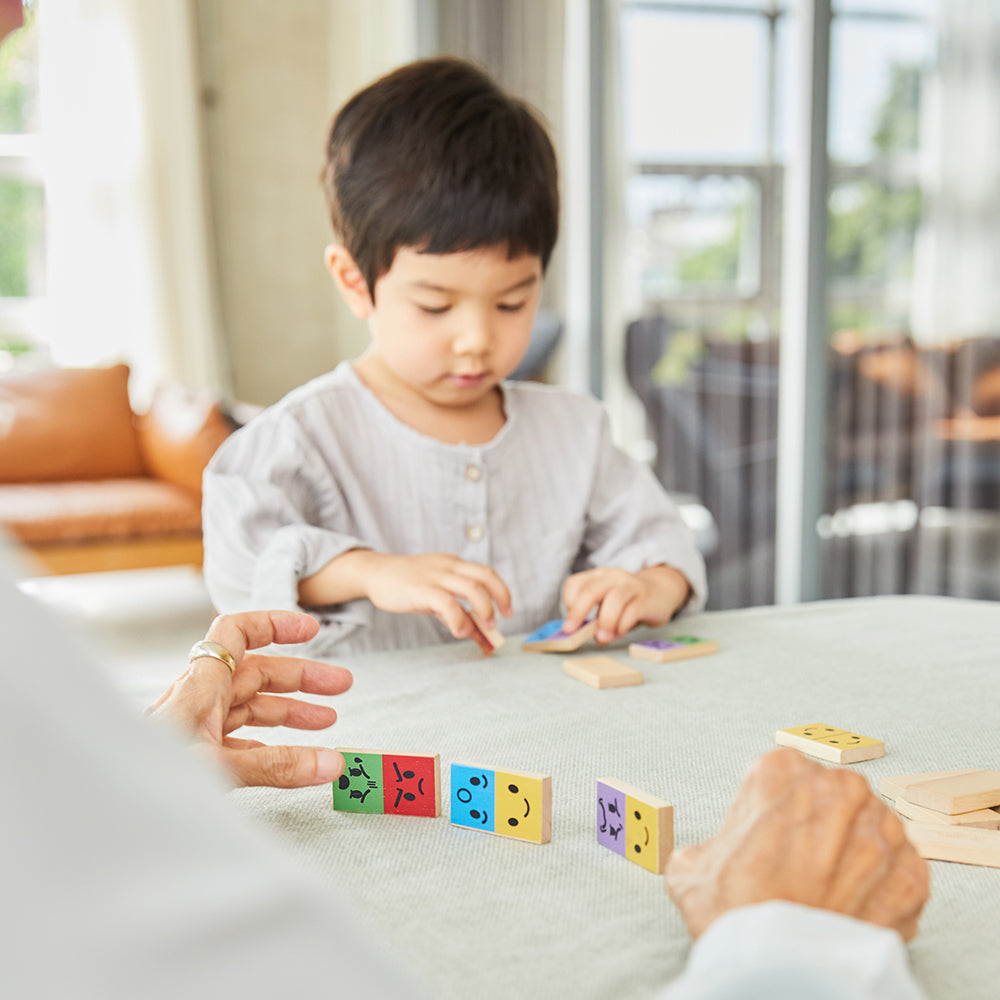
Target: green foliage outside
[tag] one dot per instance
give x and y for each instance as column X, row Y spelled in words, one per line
column 20, row 202
column 872, row 223
column 21, row 215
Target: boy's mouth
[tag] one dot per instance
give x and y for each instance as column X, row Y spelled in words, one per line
column 468, row 381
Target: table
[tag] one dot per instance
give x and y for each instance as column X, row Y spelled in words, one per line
column 485, row 916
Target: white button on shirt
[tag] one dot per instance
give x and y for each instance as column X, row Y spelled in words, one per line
column 474, row 532
column 473, row 473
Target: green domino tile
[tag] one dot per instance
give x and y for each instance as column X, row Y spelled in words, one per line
column 359, row 788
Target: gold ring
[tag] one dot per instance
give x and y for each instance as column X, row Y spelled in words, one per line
column 205, row 647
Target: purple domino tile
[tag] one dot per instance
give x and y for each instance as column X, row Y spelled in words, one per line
column 660, row 644
column 611, row 818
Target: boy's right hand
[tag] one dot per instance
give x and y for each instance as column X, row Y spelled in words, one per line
column 431, row 584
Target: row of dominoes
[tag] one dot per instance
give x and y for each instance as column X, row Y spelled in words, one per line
column 508, row 803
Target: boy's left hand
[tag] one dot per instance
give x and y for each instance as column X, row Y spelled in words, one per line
column 624, row 600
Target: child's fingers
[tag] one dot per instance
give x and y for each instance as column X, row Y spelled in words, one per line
column 445, row 607
column 588, row 592
column 611, row 620
column 491, row 582
column 474, row 593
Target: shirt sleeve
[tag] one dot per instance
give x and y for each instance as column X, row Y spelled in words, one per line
column 270, row 510
column 632, row 523
column 785, row 951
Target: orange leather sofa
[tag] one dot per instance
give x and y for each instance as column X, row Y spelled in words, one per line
column 86, row 484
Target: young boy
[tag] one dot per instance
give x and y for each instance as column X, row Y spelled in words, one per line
column 397, row 493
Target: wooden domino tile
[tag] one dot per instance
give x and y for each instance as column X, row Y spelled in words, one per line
column 634, row 824
column 958, row 793
column 508, row 803
column 487, row 639
column 550, row 638
column 938, row 842
column 839, row 746
column 983, row 819
column 678, row 647
column 376, row 781
column 602, row 672
column 895, row 786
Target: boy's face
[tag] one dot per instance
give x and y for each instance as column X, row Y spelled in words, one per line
column 452, row 326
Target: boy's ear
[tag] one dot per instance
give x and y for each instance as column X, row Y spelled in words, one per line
column 349, row 280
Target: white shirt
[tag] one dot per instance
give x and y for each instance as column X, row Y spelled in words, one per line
column 329, row 469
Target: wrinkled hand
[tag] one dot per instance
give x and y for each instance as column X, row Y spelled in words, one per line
column 208, row 702
column 624, row 600
column 809, row 834
column 434, row 584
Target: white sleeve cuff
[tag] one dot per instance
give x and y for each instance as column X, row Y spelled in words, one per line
column 780, row 949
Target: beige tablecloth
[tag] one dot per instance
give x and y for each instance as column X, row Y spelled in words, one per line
column 485, row 916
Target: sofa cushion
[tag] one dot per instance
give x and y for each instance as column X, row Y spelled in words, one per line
column 109, row 509
column 179, row 434
column 67, row 424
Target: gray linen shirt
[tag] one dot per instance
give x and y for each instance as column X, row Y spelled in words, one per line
column 329, row 469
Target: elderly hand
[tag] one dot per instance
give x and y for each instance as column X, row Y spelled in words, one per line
column 808, row 834
column 209, row 702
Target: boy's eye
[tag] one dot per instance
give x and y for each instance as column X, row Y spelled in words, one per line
column 433, row 310
column 511, row 307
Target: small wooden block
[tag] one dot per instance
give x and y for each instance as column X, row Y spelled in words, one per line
column 938, row 842
column 634, row 824
column 678, row 647
column 508, row 803
column 959, row 793
column 895, row 786
column 487, row 639
column 376, row 781
column 829, row 743
column 550, row 638
column 602, row 672
column 982, row 819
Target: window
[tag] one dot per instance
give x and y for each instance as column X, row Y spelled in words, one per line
column 22, row 282
column 703, row 114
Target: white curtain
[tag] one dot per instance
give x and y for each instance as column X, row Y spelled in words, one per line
column 129, row 273
column 957, row 281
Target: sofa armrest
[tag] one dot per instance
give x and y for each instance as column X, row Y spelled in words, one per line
column 179, row 434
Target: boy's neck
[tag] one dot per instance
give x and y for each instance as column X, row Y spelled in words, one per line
column 478, row 423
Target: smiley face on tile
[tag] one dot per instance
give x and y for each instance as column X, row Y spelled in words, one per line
column 648, row 824
column 519, row 805
column 832, row 736
column 472, row 797
column 509, row 803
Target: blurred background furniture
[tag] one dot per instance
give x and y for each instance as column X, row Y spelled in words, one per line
column 86, row 484
column 913, row 446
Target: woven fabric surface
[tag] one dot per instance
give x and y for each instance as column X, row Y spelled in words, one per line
column 485, row 916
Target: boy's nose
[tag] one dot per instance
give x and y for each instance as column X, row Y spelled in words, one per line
column 474, row 337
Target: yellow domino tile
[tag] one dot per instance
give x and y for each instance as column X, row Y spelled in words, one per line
column 839, row 746
column 649, row 835
column 523, row 805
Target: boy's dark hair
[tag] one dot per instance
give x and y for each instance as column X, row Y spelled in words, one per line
column 436, row 156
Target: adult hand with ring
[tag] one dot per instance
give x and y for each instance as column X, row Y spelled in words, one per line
column 226, row 686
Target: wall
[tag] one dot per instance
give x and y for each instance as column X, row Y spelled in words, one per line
column 271, row 77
